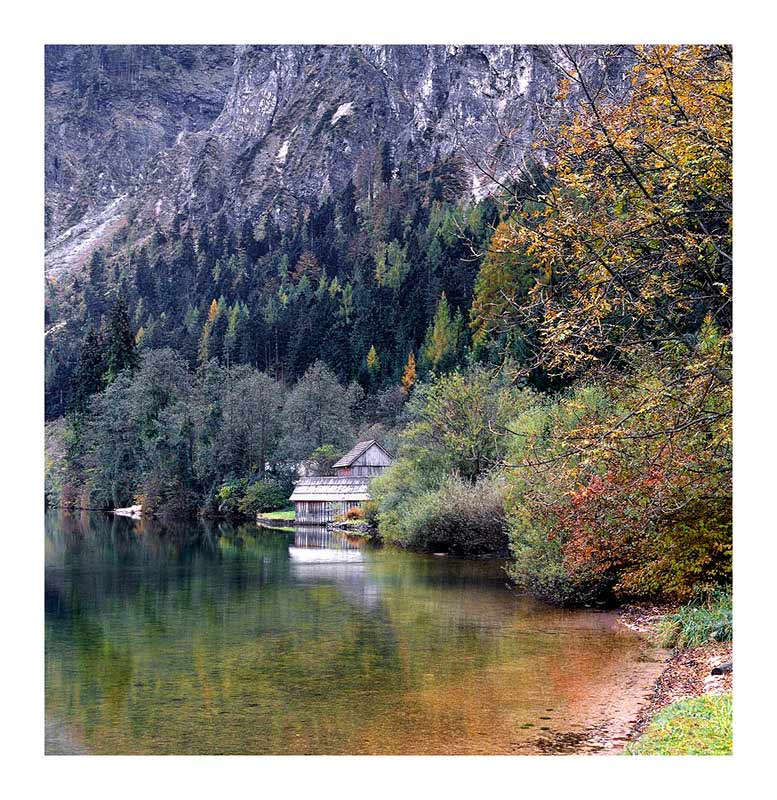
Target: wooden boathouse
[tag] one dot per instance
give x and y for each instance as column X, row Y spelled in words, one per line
column 319, row 500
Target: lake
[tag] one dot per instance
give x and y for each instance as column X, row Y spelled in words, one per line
column 219, row 638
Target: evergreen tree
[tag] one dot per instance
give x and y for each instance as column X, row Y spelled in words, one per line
column 121, row 349
column 88, row 378
column 386, row 163
column 347, row 207
column 95, row 288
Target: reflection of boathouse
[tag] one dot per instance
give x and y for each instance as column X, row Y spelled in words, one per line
column 322, row 556
column 320, row 500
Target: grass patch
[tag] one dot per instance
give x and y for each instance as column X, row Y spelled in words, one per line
column 706, row 619
column 699, row 726
column 285, row 513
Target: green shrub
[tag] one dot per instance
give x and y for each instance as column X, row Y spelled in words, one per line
column 698, row 726
column 459, row 518
column 370, row 508
column 537, row 566
column 229, row 495
column 241, row 498
column 263, row 496
column 709, row 618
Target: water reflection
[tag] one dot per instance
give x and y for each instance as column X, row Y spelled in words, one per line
column 214, row 638
column 322, row 557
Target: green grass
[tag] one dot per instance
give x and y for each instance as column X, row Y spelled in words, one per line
column 704, row 620
column 700, row 726
column 286, row 513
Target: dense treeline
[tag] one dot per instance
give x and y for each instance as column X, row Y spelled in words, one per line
column 552, row 368
column 357, row 285
column 216, row 440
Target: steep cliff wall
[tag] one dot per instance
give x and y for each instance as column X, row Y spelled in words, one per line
column 148, row 133
column 111, row 108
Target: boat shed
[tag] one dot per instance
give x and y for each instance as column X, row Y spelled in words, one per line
column 319, row 500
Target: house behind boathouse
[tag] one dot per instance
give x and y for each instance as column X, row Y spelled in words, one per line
column 320, row 500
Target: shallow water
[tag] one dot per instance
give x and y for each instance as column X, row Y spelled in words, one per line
column 223, row 639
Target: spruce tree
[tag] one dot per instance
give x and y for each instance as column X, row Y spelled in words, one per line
column 121, row 349
column 88, row 378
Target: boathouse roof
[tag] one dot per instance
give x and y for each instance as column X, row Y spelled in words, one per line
column 359, row 450
column 330, row 489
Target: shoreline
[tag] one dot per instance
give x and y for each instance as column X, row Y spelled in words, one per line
column 687, row 673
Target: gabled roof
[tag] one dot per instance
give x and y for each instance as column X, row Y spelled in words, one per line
column 330, row 489
column 357, row 450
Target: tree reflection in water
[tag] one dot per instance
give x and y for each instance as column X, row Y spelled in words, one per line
column 216, row 638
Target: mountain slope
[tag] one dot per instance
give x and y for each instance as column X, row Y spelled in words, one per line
column 141, row 135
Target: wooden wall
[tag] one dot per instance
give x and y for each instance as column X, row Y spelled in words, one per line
column 317, row 512
column 370, row 463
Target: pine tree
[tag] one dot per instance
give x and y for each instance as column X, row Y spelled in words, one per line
column 386, row 163
column 88, row 378
column 145, row 280
column 95, row 288
column 347, row 207
column 235, row 333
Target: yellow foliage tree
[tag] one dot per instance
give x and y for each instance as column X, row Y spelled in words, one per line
column 373, row 361
column 203, row 352
column 408, row 376
column 629, row 240
column 213, row 311
column 634, row 231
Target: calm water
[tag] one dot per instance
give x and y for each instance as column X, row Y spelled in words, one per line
column 225, row 639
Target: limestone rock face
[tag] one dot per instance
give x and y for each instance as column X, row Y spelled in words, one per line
column 109, row 109
column 144, row 134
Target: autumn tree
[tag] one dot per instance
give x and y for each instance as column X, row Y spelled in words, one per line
column 631, row 244
column 205, row 348
column 630, row 251
column 373, row 362
column 504, row 280
column 408, row 374
column 443, row 338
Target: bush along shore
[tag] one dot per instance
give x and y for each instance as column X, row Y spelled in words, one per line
column 690, row 711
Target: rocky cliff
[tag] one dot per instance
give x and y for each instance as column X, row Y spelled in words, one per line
column 141, row 134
